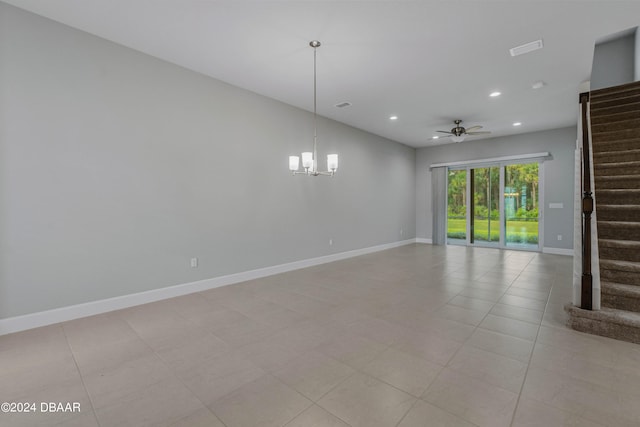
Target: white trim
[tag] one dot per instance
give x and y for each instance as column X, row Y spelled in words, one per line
column 63, row 314
column 423, row 240
column 531, row 156
column 557, row 251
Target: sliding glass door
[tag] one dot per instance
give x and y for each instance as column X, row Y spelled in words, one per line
column 521, row 216
column 457, row 207
column 485, row 205
column 494, row 205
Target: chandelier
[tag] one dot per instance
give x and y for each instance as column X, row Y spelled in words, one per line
column 310, row 159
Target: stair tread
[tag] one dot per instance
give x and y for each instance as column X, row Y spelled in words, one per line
column 613, row 315
column 613, row 288
column 618, row 164
column 620, row 265
column 634, row 150
column 597, row 106
column 615, row 118
column 618, row 207
column 621, row 224
column 615, row 243
column 619, row 177
column 596, row 93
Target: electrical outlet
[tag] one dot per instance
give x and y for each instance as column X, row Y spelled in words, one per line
column 194, row 262
column 559, row 236
column 330, row 242
column 401, row 232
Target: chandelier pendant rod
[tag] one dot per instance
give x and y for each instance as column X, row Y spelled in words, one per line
column 315, row 112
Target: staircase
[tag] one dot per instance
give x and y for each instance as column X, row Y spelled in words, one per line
column 615, row 127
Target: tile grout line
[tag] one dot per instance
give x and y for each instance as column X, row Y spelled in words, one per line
column 169, row 368
column 93, row 409
column 524, row 380
column 456, row 352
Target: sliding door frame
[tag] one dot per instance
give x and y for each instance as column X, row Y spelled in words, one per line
column 468, row 197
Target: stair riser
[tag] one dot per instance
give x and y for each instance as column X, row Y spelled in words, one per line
column 617, row 233
column 619, row 332
column 618, row 214
column 616, row 156
column 618, row 276
column 615, row 134
column 614, row 118
column 628, row 197
column 619, row 144
column 596, row 104
column 617, row 183
column 613, row 126
column 615, row 171
column 616, row 109
column 620, row 302
column 600, row 97
column 620, row 254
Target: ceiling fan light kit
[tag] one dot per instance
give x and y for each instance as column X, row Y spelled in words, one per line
column 458, row 133
column 310, row 159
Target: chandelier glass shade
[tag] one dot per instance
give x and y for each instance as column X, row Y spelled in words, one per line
column 310, row 159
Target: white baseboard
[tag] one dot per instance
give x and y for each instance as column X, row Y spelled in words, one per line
column 63, row 314
column 557, row 251
column 422, row 240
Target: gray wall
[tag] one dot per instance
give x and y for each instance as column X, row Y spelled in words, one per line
column 558, row 176
column 614, row 62
column 116, row 168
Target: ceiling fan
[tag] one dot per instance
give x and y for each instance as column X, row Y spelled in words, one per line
column 458, row 133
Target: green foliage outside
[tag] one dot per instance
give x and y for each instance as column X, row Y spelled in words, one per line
column 517, row 231
column 521, row 203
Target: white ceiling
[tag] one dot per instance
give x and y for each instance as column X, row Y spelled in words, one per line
column 428, row 62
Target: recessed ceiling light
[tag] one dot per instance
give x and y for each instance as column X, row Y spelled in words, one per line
column 494, row 94
column 393, row 118
column 343, row 104
column 517, row 124
column 538, row 84
column 526, row 48
column 435, row 137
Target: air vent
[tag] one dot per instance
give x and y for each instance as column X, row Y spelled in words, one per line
column 526, row 48
column 343, row 104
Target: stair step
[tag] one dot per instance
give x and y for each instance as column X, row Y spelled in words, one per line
column 608, row 322
column 618, row 181
column 594, row 94
column 627, row 272
column 613, row 126
column 597, row 104
column 620, row 296
column 614, row 118
column 616, row 156
column 618, row 196
column 619, row 250
column 616, row 168
column 618, row 212
column 606, row 94
column 615, row 109
column 628, row 266
column 616, row 134
column 619, row 230
column 616, row 144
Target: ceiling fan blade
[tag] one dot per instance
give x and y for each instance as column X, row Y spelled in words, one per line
column 474, row 128
column 444, row 131
column 479, row 133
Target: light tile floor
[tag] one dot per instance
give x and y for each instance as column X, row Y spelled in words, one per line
column 419, row 335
